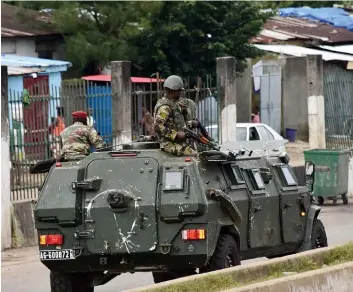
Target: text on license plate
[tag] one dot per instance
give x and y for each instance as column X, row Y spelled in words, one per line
column 64, row 254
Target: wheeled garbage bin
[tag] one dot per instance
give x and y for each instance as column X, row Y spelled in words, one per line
column 331, row 174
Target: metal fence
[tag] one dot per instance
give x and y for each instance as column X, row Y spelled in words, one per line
column 338, row 94
column 201, row 90
column 36, row 118
column 267, row 75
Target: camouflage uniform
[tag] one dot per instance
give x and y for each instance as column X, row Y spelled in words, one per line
column 188, row 108
column 168, row 120
column 77, row 140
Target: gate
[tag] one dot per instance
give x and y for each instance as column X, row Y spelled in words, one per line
column 201, row 90
column 338, row 95
column 267, row 77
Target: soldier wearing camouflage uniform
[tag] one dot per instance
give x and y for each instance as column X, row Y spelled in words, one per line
column 77, row 139
column 188, row 108
column 169, row 119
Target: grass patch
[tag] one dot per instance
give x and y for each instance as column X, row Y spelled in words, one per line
column 213, row 283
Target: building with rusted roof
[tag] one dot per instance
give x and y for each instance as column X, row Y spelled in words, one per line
column 29, row 33
column 297, row 31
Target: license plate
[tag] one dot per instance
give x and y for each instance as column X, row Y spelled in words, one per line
column 64, row 254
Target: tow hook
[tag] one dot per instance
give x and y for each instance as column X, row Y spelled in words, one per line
column 165, row 248
column 77, row 250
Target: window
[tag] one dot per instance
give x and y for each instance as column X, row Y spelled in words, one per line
column 174, row 180
column 259, row 183
column 45, row 54
column 288, row 176
column 263, row 133
column 271, row 137
column 253, row 134
column 241, row 134
column 234, row 174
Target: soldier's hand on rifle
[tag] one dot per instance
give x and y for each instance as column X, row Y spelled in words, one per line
column 180, row 136
column 192, row 124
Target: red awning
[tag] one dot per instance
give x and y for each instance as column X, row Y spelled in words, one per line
column 108, row 78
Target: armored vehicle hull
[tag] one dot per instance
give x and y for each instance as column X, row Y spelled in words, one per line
column 140, row 209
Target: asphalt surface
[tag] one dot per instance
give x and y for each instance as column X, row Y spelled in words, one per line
column 21, row 270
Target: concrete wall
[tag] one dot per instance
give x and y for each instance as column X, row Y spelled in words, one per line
column 27, row 47
column 244, row 93
column 5, row 166
column 295, row 96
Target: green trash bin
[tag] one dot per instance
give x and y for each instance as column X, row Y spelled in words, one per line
column 331, row 174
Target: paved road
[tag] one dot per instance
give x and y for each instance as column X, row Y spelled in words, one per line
column 22, row 272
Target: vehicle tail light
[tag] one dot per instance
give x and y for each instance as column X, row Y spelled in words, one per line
column 51, row 239
column 187, row 159
column 193, row 234
column 58, row 164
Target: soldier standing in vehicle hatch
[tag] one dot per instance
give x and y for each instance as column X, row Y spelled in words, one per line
column 169, row 119
column 77, row 139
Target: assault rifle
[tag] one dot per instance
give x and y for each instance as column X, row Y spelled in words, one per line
column 201, row 138
column 203, row 130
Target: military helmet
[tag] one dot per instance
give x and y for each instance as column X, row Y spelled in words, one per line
column 174, row 82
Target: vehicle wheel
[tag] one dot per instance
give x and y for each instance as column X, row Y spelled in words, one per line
column 225, row 255
column 318, row 235
column 68, row 283
column 345, row 199
column 320, row 201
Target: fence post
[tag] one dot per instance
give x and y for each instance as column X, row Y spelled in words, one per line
column 5, row 162
column 121, row 101
column 226, row 84
column 316, row 102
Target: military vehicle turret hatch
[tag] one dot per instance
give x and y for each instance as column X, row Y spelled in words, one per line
column 141, row 146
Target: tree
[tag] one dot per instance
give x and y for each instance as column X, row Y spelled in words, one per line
column 183, row 37
column 186, row 37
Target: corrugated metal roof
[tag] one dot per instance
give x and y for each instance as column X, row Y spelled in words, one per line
column 302, row 51
column 18, row 21
column 108, row 78
column 11, row 71
column 347, row 49
column 20, row 61
column 301, row 29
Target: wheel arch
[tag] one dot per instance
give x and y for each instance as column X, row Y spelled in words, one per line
column 223, row 227
column 232, row 230
column 313, row 213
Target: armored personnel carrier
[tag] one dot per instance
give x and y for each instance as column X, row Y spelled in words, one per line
column 139, row 209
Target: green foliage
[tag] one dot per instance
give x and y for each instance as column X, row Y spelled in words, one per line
column 183, row 37
column 186, row 37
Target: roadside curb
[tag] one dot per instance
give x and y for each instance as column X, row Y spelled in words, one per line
column 249, row 272
column 337, row 278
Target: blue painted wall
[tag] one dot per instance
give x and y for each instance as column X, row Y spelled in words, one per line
column 100, row 100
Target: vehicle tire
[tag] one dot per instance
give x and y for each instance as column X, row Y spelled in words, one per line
column 225, row 255
column 320, row 201
column 318, row 235
column 60, row 282
column 345, row 199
